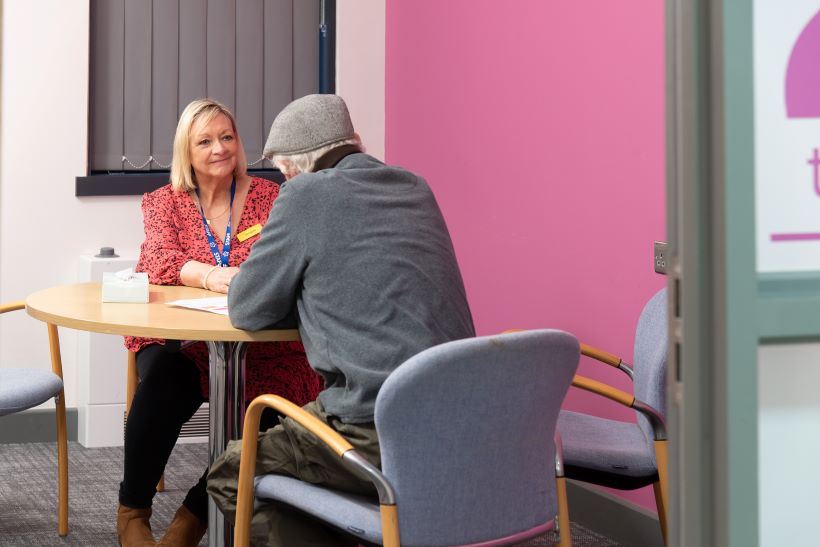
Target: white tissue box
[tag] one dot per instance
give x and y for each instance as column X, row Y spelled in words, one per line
column 116, row 289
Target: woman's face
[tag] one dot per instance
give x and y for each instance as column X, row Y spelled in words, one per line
column 213, row 148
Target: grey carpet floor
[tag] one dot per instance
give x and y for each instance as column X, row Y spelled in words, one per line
column 28, row 495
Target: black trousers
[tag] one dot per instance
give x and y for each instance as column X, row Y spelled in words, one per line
column 167, row 396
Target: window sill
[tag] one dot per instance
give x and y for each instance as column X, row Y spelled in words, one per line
column 136, row 184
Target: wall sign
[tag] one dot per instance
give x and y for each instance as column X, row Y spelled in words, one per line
column 787, row 134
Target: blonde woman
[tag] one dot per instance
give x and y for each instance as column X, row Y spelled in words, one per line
column 198, row 230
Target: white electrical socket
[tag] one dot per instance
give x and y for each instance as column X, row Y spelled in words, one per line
column 661, row 257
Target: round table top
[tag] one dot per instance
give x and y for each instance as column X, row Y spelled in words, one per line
column 80, row 307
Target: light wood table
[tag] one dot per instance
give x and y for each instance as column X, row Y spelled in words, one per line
column 80, row 307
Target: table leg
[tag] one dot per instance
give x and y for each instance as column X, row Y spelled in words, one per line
column 227, row 413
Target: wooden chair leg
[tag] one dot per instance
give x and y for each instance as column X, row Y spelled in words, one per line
column 131, row 382
column 661, row 509
column 565, row 535
column 661, row 487
column 390, row 526
column 62, row 435
column 62, row 467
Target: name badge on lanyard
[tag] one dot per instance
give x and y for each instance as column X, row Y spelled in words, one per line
column 222, row 259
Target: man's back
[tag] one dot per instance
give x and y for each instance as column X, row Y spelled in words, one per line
column 364, row 253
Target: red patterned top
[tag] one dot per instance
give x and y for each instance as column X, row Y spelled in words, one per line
column 174, row 235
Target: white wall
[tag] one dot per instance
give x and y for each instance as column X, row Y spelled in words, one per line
column 360, row 68
column 44, row 228
column 789, row 444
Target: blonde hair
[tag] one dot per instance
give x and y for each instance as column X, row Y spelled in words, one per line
column 183, row 177
column 294, row 164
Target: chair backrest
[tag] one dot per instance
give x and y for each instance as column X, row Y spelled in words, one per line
column 651, row 342
column 466, row 431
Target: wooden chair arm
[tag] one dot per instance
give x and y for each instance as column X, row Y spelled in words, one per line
column 326, row 434
column 12, row 306
column 247, row 462
column 53, row 338
column 607, row 358
column 600, row 355
column 655, row 418
column 355, row 462
column 604, row 390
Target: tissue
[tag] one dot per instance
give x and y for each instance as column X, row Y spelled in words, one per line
column 125, row 286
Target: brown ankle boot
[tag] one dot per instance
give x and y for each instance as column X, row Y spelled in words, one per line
column 134, row 527
column 184, row 531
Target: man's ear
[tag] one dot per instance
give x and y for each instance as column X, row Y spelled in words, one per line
column 361, row 144
column 286, row 168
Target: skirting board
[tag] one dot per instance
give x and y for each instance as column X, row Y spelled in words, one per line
column 39, row 426
column 618, row 519
column 36, row 426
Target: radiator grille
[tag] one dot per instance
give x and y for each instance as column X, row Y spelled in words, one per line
column 197, row 426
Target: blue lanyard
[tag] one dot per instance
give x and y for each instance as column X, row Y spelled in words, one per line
column 220, row 259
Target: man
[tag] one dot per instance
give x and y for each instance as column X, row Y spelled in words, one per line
column 360, row 250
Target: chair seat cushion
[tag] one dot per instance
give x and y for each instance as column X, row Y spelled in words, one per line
column 605, row 452
column 357, row 515
column 22, row 388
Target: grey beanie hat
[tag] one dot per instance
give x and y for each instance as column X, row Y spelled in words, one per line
column 309, row 123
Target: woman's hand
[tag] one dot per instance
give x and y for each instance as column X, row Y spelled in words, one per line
column 220, row 279
column 206, row 276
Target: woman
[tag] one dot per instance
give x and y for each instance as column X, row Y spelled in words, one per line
column 198, row 230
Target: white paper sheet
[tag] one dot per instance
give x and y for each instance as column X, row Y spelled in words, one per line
column 217, row 304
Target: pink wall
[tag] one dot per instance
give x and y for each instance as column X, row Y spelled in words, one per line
column 540, row 127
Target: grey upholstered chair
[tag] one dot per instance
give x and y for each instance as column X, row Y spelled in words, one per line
column 24, row 388
column 617, row 454
column 466, row 433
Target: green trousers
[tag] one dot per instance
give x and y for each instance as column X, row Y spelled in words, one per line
column 289, row 449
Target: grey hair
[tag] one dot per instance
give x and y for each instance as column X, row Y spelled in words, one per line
column 292, row 165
